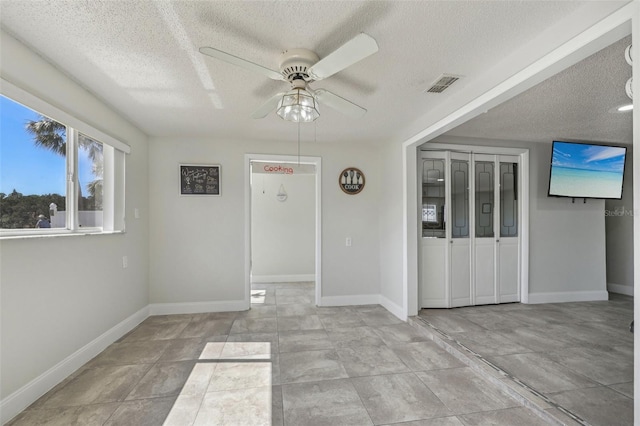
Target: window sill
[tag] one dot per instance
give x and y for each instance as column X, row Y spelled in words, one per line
column 22, row 234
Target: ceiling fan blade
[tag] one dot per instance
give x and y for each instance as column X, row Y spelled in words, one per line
column 338, row 103
column 227, row 57
column 268, row 106
column 346, row 55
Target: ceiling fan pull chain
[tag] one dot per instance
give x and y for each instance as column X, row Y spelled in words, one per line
column 298, row 143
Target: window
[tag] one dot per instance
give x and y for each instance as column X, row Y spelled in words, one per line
column 57, row 175
column 32, row 168
column 90, row 181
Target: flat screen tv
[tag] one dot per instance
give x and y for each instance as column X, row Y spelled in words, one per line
column 582, row 170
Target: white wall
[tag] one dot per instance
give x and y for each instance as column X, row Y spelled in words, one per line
column 61, row 293
column 567, row 240
column 197, row 243
column 619, row 229
column 551, row 51
column 283, row 232
column 390, row 212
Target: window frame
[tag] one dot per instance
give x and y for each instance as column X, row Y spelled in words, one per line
column 114, row 170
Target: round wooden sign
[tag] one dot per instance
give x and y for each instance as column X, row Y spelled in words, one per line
column 351, row 181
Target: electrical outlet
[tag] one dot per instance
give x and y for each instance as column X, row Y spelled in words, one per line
column 348, row 242
column 125, row 261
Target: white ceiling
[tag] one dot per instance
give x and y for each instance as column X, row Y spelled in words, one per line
column 577, row 104
column 142, row 58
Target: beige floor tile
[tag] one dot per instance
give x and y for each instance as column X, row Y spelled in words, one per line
column 421, row 356
column 162, row 380
column 463, row 391
column 98, row 385
column 599, row 406
column 308, row 340
column 300, row 322
column 127, row 353
column 85, row 415
column 238, row 407
column 541, row 373
column 508, row 417
column 310, row 366
column 143, row 412
column 240, row 375
column 326, row 403
column 370, row 361
column 398, row 398
column 254, row 325
column 288, row 362
column 184, row 410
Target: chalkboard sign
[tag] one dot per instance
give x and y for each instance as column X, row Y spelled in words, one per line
column 197, row 179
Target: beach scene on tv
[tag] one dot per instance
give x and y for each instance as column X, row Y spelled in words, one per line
column 586, row 171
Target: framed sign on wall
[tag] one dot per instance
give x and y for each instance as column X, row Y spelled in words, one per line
column 199, row 179
column 351, row 180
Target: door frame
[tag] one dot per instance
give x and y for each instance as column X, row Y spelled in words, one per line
column 603, row 33
column 292, row 159
column 523, row 214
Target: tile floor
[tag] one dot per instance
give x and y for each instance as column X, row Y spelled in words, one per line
column 288, row 362
column 578, row 356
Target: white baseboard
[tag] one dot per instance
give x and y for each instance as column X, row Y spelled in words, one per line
column 13, row 404
column 197, row 307
column 365, row 299
column 620, row 289
column 259, row 279
column 568, row 296
column 396, row 310
column 360, row 299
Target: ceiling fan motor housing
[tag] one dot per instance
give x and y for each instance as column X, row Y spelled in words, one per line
column 294, row 64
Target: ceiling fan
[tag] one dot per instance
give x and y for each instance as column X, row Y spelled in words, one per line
column 300, row 67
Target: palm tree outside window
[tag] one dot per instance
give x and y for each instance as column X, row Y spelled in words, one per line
column 38, row 180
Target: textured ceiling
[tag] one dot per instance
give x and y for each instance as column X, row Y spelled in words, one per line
column 142, row 58
column 577, row 104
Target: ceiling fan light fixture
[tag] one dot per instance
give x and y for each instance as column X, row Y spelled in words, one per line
column 298, row 105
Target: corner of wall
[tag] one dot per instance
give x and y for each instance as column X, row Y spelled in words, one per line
column 13, row 404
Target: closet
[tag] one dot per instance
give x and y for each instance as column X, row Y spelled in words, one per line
column 470, row 245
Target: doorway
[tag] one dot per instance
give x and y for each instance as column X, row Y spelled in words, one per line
column 282, row 222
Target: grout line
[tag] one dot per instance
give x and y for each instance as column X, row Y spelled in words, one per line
column 457, row 349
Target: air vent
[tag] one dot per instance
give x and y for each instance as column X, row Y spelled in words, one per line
column 442, row 83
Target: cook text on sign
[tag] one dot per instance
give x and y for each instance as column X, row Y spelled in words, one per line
column 351, row 180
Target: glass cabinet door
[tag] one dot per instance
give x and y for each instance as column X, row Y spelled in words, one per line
column 460, row 226
column 459, row 199
column 433, row 197
column 508, row 200
column 484, row 202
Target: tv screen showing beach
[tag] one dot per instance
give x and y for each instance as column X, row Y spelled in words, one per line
column 586, row 171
